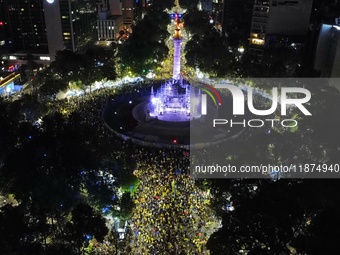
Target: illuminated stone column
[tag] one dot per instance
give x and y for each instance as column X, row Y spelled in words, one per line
column 177, row 59
column 177, row 53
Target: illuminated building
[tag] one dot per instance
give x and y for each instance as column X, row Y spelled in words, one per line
column 8, row 84
column 46, row 26
column 236, row 19
column 205, row 5
column 115, row 7
column 3, row 26
column 26, row 25
column 327, row 57
column 278, row 18
column 70, row 24
column 128, row 11
column 108, row 25
column 258, row 26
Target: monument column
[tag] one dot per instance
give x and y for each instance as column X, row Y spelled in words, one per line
column 177, row 52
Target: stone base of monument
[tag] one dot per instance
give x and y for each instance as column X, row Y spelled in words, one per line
column 148, row 118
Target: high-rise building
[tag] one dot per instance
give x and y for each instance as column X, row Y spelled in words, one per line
column 288, row 17
column 3, row 33
column 26, row 25
column 116, row 7
column 236, row 20
column 206, row 5
column 108, row 25
column 128, row 11
column 259, row 26
column 327, row 57
column 70, row 24
column 45, row 26
column 281, row 18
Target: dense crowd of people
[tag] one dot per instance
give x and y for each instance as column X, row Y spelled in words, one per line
column 171, row 215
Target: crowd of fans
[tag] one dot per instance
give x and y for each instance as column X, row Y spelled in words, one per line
column 171, row 215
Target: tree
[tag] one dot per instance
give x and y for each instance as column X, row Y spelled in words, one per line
column 188, row 4
column 197, row 22
column 285, row 216
column 211, row 45
column 68, row 66
column 126, row 206
column 9, row 119
column 161, row 5
column 52, row 87
column 13, row 229
column 100, row 64
column 85, row 224
column 149, row 35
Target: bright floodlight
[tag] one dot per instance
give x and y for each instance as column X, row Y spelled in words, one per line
column 154, row 100
column 241, row 49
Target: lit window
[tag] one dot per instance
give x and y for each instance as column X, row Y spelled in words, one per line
column 45, row 58
column 257, row 41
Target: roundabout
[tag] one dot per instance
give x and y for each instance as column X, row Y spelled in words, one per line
column 173, row 113
column 132, row 117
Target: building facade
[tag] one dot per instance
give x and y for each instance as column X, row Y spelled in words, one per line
column 109, row 28
column 236, row 19
column 108, row 25
column 289, row 18
column 278, row 19
column 327, row 56
column 116, row 7
column 3, row 26
column 46, row 26
column 26, row 25
column 128, row 11
column 70, row 24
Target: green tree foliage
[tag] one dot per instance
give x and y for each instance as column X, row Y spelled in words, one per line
column 52, row 86
column 279, row 217
column 287, row 215
column 197, row 22
column 161, row 5
column 9, row 119
column 126, row 206
column 212, row 45
column 96, row 64
column 30, row 107
column 55, row 171
column 145, row 48
column 68, row 66
column 13, row 227
column 100, row 64
column 85, row 224
column 188, row 4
